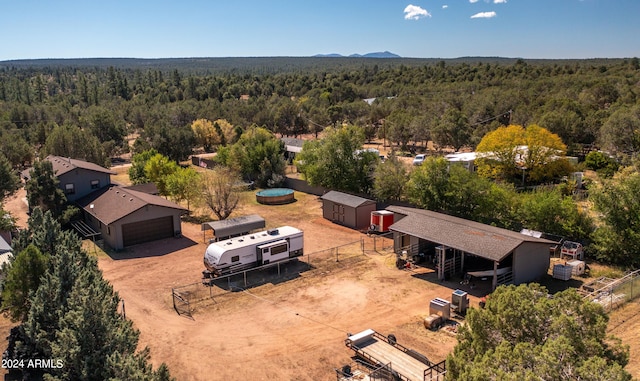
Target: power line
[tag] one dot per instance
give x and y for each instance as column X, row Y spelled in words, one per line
column 493, row 118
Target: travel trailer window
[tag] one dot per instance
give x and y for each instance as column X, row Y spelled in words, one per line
column 235, row 258
column 279, row 249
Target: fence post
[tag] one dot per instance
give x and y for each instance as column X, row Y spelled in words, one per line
column 610, row 298
column 337, row 260
column 173, row 298
column 362, row 245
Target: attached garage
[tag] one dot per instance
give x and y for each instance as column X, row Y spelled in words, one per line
column 348, row 210
column 145, row 231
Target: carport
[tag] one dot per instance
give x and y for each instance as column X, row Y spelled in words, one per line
column 458, row 246
column 233, row 227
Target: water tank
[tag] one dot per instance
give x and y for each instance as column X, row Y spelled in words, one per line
column 460, row 301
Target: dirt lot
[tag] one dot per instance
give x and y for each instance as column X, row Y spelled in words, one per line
column 292, row 330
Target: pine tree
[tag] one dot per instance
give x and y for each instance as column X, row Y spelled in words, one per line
column 22, row 277
column 73, row 316
column 42, row 189
column 9, row 182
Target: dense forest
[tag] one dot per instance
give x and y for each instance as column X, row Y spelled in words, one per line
column 44, row 103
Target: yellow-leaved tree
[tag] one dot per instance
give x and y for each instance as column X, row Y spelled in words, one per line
column 510, row 153
column 226, row 131
column 205, row 133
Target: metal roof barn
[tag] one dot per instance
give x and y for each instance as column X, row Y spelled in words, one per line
column 419, row 230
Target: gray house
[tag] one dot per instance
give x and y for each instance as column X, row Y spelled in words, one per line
column 347, row 210
column 78, row 178
column 123, row 216
column 460, row 246
column 127, row 217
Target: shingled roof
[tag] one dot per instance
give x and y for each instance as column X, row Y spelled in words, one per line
column 114, row 202
column 62, row 165
column 346, row 199
column 472, row 237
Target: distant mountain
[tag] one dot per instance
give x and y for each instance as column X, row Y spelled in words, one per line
column 385, row 54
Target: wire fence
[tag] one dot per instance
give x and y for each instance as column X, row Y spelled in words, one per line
column 383, row 242
column 613, row 293
column 188, row 298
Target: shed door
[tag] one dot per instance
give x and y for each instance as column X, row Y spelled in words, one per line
column 338, row 212
column 145, row 231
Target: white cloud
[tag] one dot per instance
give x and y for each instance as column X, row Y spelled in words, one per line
column 414, row 12
column 445, row 6
column 484, row 15
column 499, row 1
column 473, row 1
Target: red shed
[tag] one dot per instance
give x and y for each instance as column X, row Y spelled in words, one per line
column 381, row 220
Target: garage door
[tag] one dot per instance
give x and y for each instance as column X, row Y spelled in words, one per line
column 145, row 231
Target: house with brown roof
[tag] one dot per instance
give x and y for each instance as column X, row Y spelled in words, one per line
column 77, row 178
column 122, row 216
column 458, row 246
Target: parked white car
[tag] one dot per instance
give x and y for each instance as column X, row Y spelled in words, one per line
column 419, row 159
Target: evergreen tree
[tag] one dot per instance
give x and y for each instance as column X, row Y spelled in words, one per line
column 21, row 279
column 525, row 334
column 42, row 189
column 9, row 181
column 73, row 316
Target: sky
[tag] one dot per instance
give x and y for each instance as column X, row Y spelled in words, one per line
column 32, row 29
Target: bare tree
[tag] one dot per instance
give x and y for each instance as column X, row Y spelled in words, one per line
column 220, row 191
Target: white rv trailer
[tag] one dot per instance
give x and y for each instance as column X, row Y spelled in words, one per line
column 252, row 250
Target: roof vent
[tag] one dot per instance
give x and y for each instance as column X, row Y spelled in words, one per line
column 272, row 232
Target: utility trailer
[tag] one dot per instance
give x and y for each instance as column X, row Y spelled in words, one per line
column 253, row 250
column 406, row 364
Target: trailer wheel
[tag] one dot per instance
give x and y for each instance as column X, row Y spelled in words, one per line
column 346, row 371
column 392, row 339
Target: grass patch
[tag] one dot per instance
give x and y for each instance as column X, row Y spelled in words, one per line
column 94, row 248
column 121, row 176
column 598, row 270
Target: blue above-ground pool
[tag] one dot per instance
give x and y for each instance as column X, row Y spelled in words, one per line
column 275, row 196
